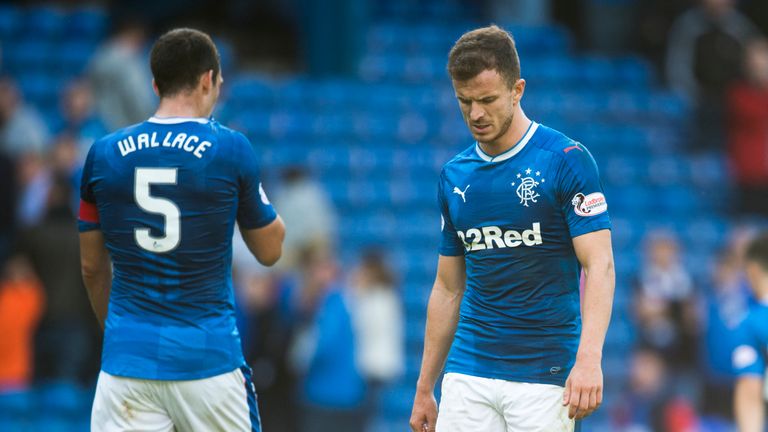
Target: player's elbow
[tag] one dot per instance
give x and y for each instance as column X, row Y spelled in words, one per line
column 269, row 247
column 270, row 258
column 91, row 269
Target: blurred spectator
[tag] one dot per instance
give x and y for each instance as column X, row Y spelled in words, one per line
column 119, row 74
column 68, row 316
column 78, row 118
column 307, row 210
column 332, row 387
column 266, row 329
column 725, row 306
column 36, row 175
column 34, row 178
column 22, row 131
column 21, row 303
column 642, row 404
column 748, row 130
column 378, row 320
column 704, row 56
column 8, row 193
column 665, row 303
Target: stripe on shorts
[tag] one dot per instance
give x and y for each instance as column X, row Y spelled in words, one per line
column 250, row 391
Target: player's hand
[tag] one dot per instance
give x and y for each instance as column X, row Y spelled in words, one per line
column 584, row 388
column 424, row 414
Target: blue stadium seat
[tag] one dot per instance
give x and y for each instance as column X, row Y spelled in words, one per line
column 63, row 398
column 72, row 56
column 11, row 20
column 87, row 22
column 16, row 409
column 633, row 72
column 28, row 54
column 44, row 22
column 398, row 401
column 41, row 88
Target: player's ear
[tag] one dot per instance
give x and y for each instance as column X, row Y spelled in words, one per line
column 206, row 79
column 154, row 88
column 518, row 90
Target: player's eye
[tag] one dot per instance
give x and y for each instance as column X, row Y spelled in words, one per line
column 488, row 100
column 464, row 101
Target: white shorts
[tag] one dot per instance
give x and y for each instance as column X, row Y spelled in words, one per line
column 471, row 404
column 225, row 402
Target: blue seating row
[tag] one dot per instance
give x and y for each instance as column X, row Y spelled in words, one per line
column 51, row 22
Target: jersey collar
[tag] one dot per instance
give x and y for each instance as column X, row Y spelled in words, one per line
column 177, row 120
column 517, row 148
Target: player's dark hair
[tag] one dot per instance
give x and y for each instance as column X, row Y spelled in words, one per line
column 178, row 59
column 487, row 48
column 757, row 251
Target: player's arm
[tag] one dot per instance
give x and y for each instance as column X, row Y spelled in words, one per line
column 266, row 243
column 261, row 227
column 97, row 271
column 748, row 403
column 442, row 318
column 584, row 387
column 749, row 365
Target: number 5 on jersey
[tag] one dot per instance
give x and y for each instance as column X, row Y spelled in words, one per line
column 145, row 177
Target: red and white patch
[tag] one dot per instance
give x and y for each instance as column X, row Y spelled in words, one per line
column 589, row 205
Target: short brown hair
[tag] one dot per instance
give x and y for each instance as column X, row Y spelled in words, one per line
column 487, row 48
column 178, row 59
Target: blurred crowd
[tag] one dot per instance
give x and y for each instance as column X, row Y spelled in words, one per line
column 324, row 337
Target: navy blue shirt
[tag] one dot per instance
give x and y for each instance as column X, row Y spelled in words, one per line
column 166, row 194
column 513, row 217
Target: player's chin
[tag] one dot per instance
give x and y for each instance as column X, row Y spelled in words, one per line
column 484, row 137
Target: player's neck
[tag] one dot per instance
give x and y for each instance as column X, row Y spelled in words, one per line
column 181, row 106
column 515, row 133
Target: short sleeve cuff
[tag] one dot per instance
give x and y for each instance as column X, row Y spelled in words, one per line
column 590, row 227
column 83, row 226
column 450, row 251
column 265, row 219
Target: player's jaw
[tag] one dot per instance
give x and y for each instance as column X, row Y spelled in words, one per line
column 487, row 131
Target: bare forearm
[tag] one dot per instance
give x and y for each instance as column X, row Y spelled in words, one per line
column 442, row 317
column 748, row 406
column 596, row 310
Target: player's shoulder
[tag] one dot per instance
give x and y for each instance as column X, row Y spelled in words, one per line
column 113, row 137
column 235, row 140
column 563, row 149
column 459, row 161
column 555, row 142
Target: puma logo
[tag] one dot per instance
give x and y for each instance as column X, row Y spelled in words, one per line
column 573, row 147
column 458, row 191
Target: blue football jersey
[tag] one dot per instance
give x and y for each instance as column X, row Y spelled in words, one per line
column 751, row 354
column 166, row 194
column 513, row 217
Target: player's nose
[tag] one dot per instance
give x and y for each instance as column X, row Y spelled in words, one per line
column 476, row 112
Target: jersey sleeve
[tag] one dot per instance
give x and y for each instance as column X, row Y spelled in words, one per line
column 450, row 244
column 88, row 214
column 580, row 192
column 254, row 209
column 746, row 357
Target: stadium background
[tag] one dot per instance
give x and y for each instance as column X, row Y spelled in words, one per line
column 349, row 105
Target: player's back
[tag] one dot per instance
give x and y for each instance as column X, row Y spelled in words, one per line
column 168, row 193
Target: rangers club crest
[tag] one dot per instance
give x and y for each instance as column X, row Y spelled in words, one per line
column 526, row 186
